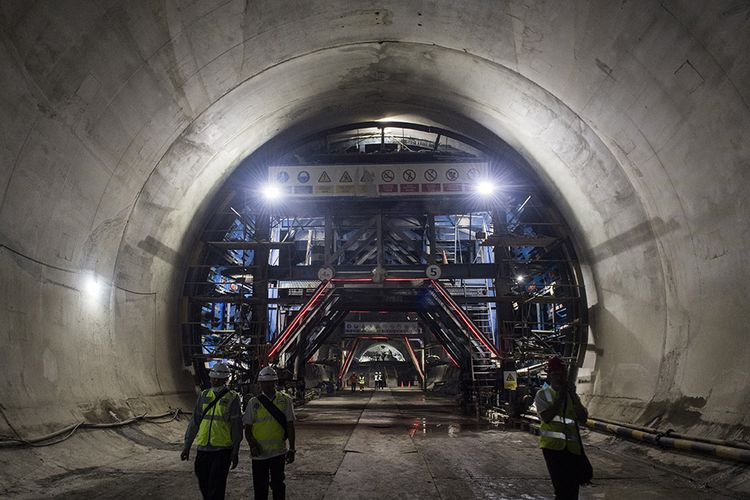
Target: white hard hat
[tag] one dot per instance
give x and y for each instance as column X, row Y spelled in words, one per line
column 219, row 370
column 267, row 374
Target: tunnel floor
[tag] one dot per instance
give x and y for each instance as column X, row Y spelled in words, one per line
column 384, row 444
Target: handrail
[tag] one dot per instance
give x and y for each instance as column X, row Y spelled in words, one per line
column 467, row 321
column 272, row 352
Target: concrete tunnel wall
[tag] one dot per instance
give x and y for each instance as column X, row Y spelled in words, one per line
column 121, row 120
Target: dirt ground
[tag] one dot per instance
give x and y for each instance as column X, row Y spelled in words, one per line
column 366, row 445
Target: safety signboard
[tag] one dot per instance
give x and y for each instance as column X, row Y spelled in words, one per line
column 381, row 328
column 510, row 380
column 422, row 179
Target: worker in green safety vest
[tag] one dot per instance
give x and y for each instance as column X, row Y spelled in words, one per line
column 559, row 408
column 216, row 426
column 269, row 424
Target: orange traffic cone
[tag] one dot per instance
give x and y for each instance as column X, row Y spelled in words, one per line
column 410, row 384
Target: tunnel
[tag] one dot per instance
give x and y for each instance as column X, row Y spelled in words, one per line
column 130, row 130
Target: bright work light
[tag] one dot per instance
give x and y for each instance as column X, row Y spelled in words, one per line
column 485, row 187
column 272, row 192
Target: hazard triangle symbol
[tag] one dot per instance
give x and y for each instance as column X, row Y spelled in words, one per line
column 510, row 378
column 346, row 177
column 324, row 177
column 367, row 176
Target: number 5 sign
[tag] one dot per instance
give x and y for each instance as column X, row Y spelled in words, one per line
column 433, row 271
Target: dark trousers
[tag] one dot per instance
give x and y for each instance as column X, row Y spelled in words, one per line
column 562, row 466
column 212, row 469
column 272, row 468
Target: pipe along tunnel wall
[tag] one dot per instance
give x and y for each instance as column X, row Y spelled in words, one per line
column 122, row 120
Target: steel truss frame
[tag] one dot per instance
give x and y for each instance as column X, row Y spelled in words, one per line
column 256, row 266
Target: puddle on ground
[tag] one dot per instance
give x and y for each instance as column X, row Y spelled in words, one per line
column 424, row 427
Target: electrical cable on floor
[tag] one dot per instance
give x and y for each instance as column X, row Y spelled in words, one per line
column 67, row 432
column 728, row 450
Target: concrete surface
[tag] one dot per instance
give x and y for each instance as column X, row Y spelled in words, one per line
column 381, row 445
column 121, row 119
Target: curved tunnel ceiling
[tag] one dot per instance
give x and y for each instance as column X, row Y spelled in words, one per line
column 124, row 120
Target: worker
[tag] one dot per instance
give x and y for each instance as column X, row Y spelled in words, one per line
column 559, row 409
column 217, row 425
column 361, row 383
column 353, row 381
column 269, row 423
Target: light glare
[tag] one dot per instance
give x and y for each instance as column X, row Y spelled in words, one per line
column 485, row 188
column 91, row 286
column 272, row 192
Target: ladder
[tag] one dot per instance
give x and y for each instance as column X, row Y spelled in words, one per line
column 483, row 371
column 479, row 312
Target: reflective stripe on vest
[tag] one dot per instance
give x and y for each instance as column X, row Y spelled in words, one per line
column 216, row 428
column 564, row 420
column 266, row 430
column 560, row 433
column 552, row 434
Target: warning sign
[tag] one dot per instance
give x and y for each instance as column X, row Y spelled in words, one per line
column 367, row 177
column 411, row 180
column 510, row 380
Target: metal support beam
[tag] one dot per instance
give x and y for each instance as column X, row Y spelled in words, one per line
column 379, row 236
column 259, row 309
column 328, row 240
column 354, row 239
column 431, row 239
column 249, row 245
column 409, row 242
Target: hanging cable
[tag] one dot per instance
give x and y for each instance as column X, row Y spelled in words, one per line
column 67, row 432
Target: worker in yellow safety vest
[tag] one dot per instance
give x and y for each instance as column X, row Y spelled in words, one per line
column 269, row 424
column 559, row 408
column 216, row 425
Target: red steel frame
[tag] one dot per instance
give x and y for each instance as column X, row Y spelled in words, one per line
column 436, row 284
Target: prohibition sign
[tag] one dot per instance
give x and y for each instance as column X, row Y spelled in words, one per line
column 409, row 175
column 451, row 174
column 430, row 174
column 388, row 175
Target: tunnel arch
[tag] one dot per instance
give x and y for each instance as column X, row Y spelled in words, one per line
column 555, row 149
column 118, row 189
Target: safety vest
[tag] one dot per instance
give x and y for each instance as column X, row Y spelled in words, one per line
column 560, row 433
column 362, row 380
column 266, row 430
column 216, row 429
